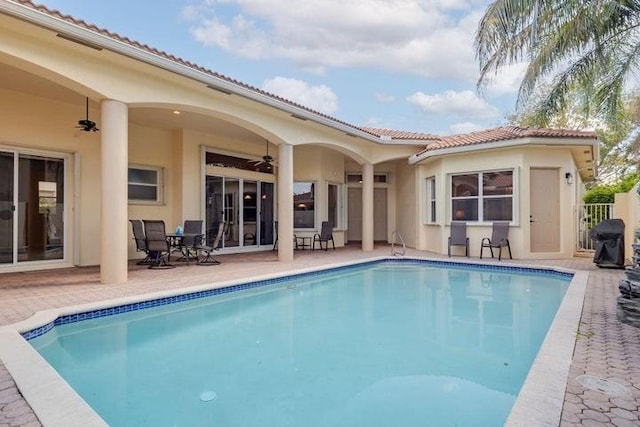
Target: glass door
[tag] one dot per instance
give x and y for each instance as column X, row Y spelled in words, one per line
column 247, row 208
column 214, row 207
column 31, row 208
column 267, row 225
column 232, row 212
column 40, row 208
column 7, row 207
column 250, row 213
column 222, row 205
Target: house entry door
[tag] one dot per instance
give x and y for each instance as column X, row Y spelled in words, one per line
column 31, row 208
column 354, row 232
column 544, row 220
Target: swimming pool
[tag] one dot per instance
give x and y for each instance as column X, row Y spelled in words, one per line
column 407, row 345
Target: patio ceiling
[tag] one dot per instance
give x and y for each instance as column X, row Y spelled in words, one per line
column 14, row 79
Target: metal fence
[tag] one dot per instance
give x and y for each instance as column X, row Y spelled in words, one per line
column 587, row 216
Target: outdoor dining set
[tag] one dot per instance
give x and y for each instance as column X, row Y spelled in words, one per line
column 187, row 242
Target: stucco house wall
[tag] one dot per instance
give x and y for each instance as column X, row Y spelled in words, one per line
column 520, row 160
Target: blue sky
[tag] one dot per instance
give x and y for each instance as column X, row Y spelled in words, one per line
column 397, row 64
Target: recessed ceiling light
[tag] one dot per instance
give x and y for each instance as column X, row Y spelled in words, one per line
column 176, row 112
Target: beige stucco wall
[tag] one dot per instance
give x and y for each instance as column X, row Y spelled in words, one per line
column 627, row 208
column 33, row 123
column 521, row 159
column 407, row 195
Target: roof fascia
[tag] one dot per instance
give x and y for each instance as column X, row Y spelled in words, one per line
column 100, row 40
column 556, row 142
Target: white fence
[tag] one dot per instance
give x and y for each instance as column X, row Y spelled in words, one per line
column 588, row 216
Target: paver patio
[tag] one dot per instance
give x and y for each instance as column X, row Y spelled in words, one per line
column 605, row 348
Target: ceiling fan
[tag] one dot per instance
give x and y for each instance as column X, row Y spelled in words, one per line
column 86, row 124
column 266, row 159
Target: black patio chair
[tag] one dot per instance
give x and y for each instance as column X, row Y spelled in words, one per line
column 325, row 236
column 207, row 258
column 275, row 241
column 459, row 237
column 499, row 239
column 191, row 234
column 141, row 244
column 157, row 243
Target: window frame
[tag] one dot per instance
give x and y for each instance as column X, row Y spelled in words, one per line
column 158, row 185
column 431, row 201
column 314, row 193
column 480, row 198
column 378, row 178
column 340, row 203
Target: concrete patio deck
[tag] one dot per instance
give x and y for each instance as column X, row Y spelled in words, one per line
column 605, row 348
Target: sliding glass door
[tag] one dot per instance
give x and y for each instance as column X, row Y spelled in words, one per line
column 31, row 208
column 7, row 207
column 246, row 207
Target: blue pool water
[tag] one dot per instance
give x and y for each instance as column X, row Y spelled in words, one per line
column 377, row 345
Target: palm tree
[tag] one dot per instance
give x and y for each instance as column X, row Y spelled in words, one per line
column 575, row 50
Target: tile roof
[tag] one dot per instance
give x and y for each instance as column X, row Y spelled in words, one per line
column 503, row 134
column 398, row 134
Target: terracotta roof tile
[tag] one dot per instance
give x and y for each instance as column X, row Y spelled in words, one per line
column 398, row 134
column 503, row 134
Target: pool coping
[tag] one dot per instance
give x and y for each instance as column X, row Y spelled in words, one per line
column 538, row 403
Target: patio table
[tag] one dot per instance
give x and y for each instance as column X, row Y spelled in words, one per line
column 176, row 243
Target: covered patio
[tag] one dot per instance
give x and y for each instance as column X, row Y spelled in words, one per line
column 605, row 347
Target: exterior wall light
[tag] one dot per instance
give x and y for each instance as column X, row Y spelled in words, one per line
column 569, row 178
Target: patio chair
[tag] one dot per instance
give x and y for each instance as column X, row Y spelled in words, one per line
column 459, row 237
column 192, row 230
column 157, row 243
column 499, row 239
column 207, row 259
column 275, row 242
column 325, row 235
column 141, row 244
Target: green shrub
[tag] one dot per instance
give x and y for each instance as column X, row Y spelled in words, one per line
column 607, row 193
column 600, row 194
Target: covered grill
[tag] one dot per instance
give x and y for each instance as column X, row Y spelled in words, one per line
column 608, row 237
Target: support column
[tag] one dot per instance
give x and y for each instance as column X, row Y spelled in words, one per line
column 113, row 220
column 285, row 202
column 367, row 207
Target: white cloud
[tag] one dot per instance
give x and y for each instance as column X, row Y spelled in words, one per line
column 464, row 104
column 422, row 37
column 465, row 127
column 507, row 82
column 320, row 98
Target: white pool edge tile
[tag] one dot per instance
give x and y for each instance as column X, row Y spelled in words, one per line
column 52, row 399
column 541, row 397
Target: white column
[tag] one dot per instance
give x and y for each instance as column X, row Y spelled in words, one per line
column 113, row 222
column 285, row 202
column 367, row 207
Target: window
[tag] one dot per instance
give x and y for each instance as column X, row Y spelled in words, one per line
column 430, row 187
column 379, row 178
column 484, row 196
column 303, row 205
column 334, row 204
column 144, row 184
